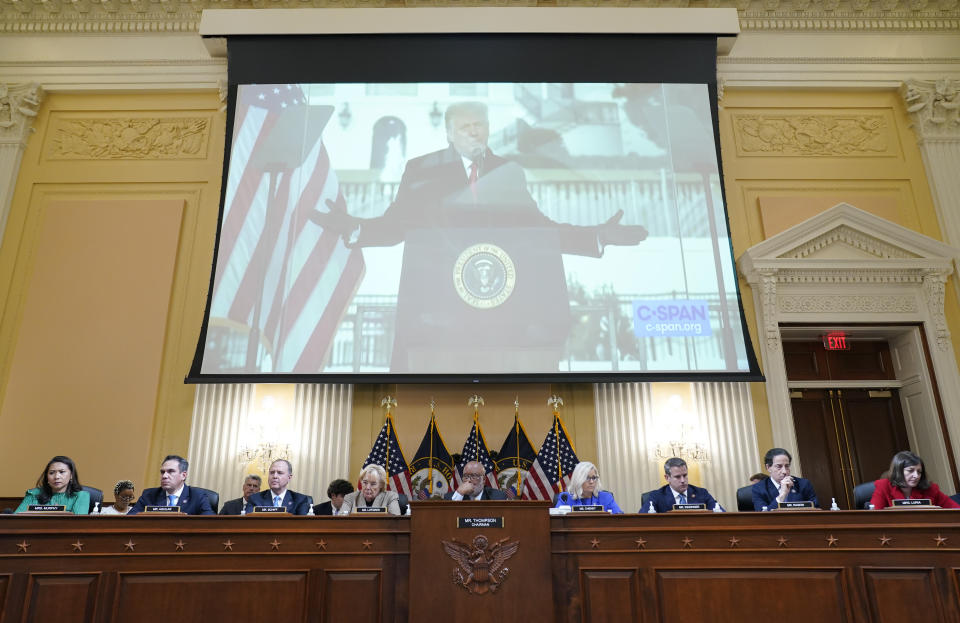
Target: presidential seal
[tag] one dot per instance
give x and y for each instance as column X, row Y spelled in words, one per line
column 484, row 276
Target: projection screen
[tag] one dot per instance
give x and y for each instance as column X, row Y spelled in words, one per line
column 382, row 222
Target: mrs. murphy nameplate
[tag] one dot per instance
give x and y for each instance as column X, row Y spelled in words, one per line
column 479, row 522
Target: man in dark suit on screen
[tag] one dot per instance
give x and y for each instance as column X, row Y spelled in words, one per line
column 173, row 490
column 479, row 255
column 279, row 476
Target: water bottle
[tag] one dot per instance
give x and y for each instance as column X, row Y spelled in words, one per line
column 310, row 512
column 96, row 508
column 871, row 507
column 833, row 504
column 717, row 508
column 764, row 508
column 652, row 509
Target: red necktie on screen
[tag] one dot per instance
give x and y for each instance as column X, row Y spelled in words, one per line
column 473, row 179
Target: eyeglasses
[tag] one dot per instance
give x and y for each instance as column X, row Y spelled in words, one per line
column 593, row 478
column 473, row 476
column 369, row 483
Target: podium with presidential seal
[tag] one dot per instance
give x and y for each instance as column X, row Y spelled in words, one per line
column 495, row 296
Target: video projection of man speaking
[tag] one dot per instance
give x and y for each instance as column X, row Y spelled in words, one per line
column 473, row 228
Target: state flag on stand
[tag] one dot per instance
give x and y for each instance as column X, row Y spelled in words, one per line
column 386, row 453
column 278, row 273
column 514, row 460
column 550, row 472
column 475, row 449
column 432, row 467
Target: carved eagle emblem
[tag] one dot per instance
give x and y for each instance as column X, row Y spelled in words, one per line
column 480, row 567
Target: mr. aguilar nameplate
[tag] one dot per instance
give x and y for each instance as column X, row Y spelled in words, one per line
column 46, row 508
column 161, row 510
column 588, row 508
column 479, row 522
column 689, row 507
column 917, row 502
column 370, row 509
column 269, row 509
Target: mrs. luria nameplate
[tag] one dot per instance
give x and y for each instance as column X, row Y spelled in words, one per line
column 917, row 502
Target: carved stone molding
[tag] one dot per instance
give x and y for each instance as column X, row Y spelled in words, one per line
column 18, row 108
column 122, row 16
column 853, row 276
column 768, row 302
column 934, row 108
column 128, row 138
column 934, row 285
column 806, row 304
column 856, row 239
column 811, row 135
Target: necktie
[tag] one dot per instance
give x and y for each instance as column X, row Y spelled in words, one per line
column 682, row 498
column 171, row 500
column 276, row 500
column 473, row 179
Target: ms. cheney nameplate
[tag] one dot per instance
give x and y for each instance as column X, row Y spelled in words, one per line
column 479, row 522
column 588, row 508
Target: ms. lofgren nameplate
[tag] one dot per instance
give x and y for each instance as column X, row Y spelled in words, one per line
column 479, row 522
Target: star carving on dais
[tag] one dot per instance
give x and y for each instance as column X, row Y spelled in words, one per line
column 782, row 541
column 180, row 545
column 129, row 545
column 941, row 540
column 321, row 544
column 275, row 544
column 832, row 541
column 228, row 545
column 641, row 542
column 884, row 540
column 367, row 544
column 22, row 547
column 734, row 541
column 687, row 543
column 595, row 543
column 78, row 546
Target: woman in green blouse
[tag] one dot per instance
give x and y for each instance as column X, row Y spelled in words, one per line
column 58, row 484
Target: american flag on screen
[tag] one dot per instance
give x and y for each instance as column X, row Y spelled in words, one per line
column 386, row 453
column 550, row 472
column 475, row 449
column 276, row 269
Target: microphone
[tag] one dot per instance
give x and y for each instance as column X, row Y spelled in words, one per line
column 565, row 498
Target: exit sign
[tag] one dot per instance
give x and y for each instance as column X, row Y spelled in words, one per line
column 836, row 341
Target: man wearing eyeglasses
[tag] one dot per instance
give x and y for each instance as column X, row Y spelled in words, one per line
column 472, row 488
column 678, row 490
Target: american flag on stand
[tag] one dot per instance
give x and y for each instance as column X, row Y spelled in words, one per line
column 475, row 449
column 277, row 269
column 545, row 479
column 386, row 453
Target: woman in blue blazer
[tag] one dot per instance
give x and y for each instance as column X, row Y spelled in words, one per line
column 585, row 490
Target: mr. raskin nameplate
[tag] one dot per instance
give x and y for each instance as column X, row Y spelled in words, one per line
column 795, row 505
column 918, row 502
column 270, row 509
column 479, row 522
column 46, row 508
column 161, row 509
column 370, row 509
column 591, row 508
column 689, row 507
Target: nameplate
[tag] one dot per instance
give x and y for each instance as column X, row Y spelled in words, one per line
column 370, row 509
column 689, row 507
column 588, row 508
column 480, row 522
column 46, row 508
column 282, row 510
column 165, row 510
column 795, row 505
column 919, row 502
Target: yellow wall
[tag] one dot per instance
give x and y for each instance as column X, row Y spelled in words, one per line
column 92, row 359
column 103, row 274
column 788, row 155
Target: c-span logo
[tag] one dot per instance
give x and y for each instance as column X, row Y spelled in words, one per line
column 484, row 276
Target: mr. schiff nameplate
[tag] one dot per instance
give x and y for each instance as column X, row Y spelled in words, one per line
column 484, row 276
column 276, row 510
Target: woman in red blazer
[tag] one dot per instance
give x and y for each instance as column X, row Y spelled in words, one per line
column 907, row 480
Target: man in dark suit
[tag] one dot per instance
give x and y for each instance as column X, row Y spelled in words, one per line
column 279, row 476
column 337, row 489
column 780, row 486
column 173, row 490
column 678, row 490
column 449, row 203
column 472, row 488
column 239, row 506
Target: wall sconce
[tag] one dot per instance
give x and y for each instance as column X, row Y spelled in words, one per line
column 263, row 454
column 435, row 116
column 678, row 442
column 345, row 116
